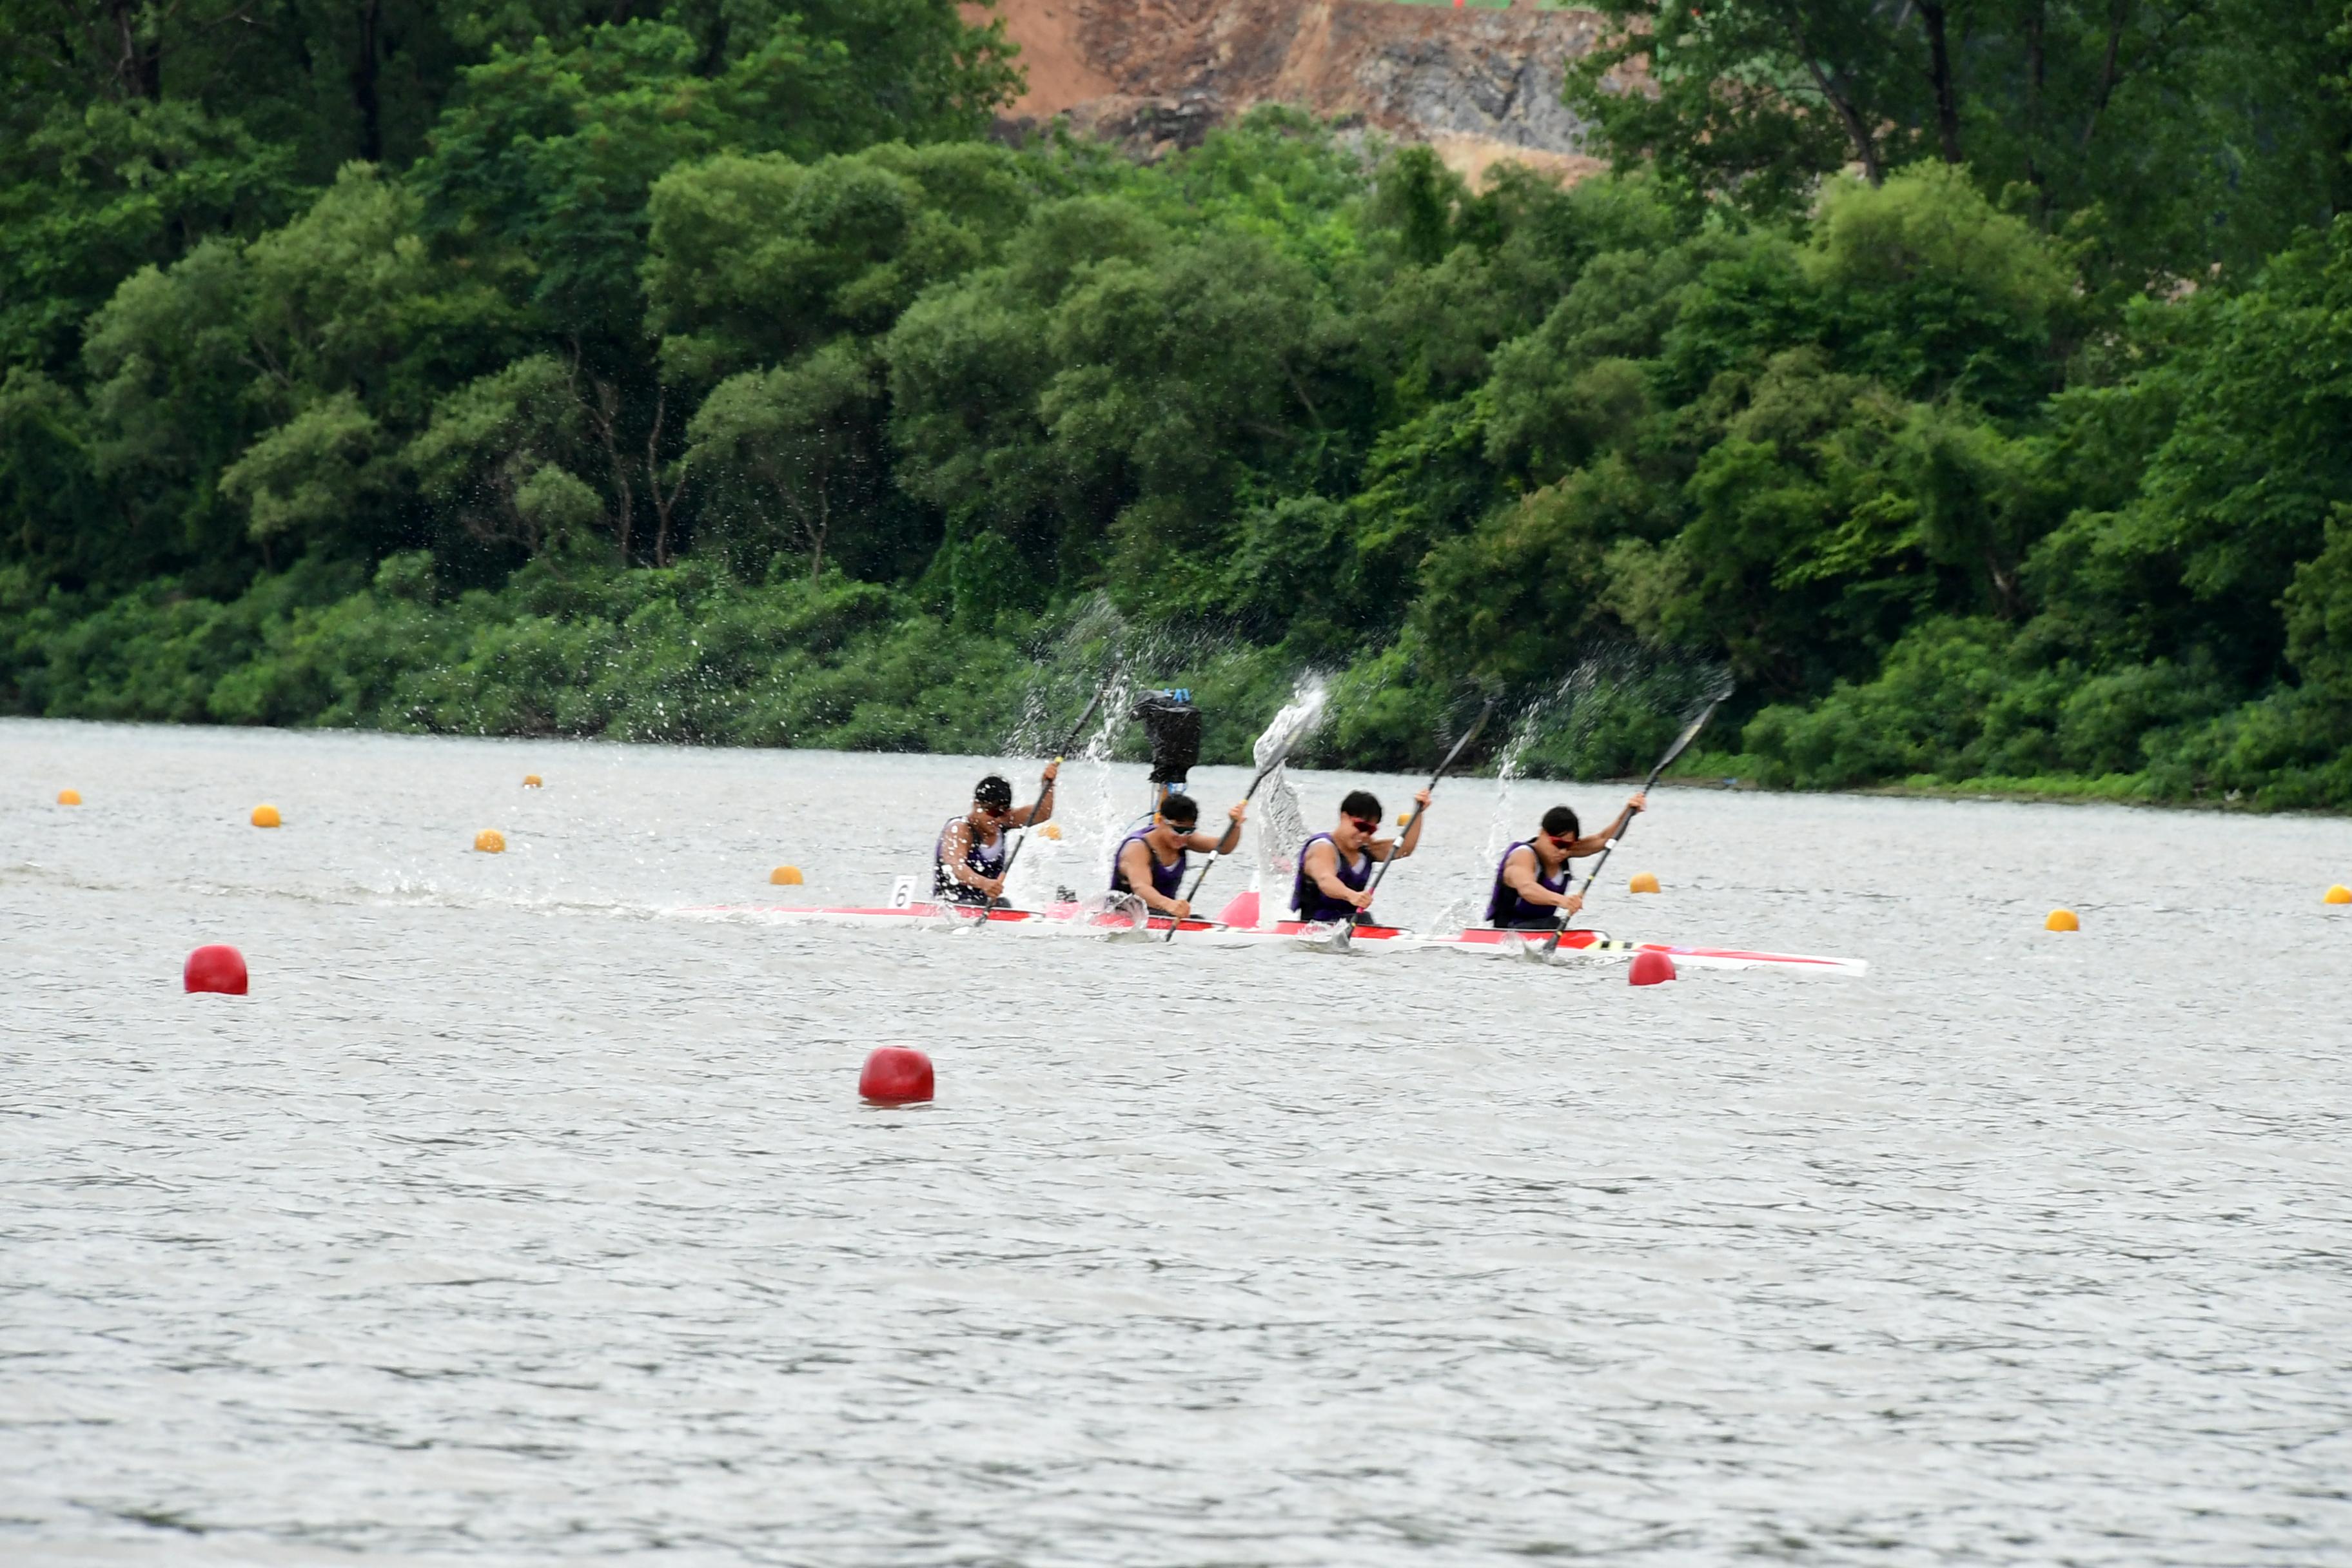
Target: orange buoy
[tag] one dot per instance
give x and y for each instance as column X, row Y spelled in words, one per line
column 1051, row 830
column 1241, row 911
column 2062, row 920
column 1642, row 882
column 217, row 967
column 490, row 841
column 896, row 1075
column 68, row 797
column 2338, row 894
column 266, row 815
column 532, row 780
column 787, row 877
column 1650, row 967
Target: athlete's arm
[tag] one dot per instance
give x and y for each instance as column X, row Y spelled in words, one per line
column 1135, row 865
column 959, row 845
column 1594, row 843
column 1229, row 843
column 1520, row 876
column 1395, row 849
column 1042, row 807
column 1322, row 869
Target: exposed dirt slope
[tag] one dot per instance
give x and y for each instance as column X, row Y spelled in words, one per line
column 1479, row 85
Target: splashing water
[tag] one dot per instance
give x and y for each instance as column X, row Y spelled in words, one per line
column 1281, row 822
column 1294, row 722
column 1554, row 735
column 1096, row 648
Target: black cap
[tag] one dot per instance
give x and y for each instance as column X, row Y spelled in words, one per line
column 991, row 791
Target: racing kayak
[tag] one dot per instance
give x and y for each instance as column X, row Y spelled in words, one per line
column 1054, row 920
column 1585, row 946
column 1092, row 920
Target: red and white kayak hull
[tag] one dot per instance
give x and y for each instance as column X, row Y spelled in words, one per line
column 1585, row 946
column 1089, row 921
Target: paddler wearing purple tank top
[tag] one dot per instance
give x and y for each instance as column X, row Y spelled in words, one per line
column 1339, row 864
column 1151, row 863
column 1532, row 880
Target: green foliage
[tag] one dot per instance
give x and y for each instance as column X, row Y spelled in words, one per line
column 100, row 190
column 690, row 653
column 704, row 375
column 2159, row 138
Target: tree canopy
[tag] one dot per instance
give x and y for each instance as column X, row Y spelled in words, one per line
column 1965, row 377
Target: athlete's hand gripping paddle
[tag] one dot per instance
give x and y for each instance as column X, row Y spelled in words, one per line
column 1681, row 743
column 1341, row 938
column 1021, row 835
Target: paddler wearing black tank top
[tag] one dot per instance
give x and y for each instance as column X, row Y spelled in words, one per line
column 967, row 863
column 1530, row 890
column 1151, row 863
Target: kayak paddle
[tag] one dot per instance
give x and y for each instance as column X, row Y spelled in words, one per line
column 1341, row 938
column 1690, row 733
column 1022, row 836
column 1288, row 725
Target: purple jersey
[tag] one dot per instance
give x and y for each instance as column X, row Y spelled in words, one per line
column 1312, row 902
column 1506, row 908
column 1165, row 880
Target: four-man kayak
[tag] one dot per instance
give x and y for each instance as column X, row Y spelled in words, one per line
column 1094, row 921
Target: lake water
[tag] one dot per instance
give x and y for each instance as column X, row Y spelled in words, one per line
column 518, row 1216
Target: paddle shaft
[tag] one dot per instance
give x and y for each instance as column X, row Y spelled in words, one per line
column 1681, row 742
column 1213, row 857
column 1022, row 836
column 1412, row 822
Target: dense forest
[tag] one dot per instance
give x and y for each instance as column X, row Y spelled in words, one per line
column 1972, row 380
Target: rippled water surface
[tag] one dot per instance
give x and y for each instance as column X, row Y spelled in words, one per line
column 519, row 1216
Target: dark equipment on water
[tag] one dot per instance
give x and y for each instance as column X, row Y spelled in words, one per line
column 1173, row 727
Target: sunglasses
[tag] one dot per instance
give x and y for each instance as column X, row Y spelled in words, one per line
column 1558, row 842
column 1184, row 826
column 1366, row 823
column 996, row 811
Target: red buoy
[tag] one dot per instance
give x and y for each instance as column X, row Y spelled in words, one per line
column 1650, row 967
column 217, row 967
column 1241, row 912
column 896, row 1075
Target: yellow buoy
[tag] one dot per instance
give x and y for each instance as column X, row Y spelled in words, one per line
column 1403, row 817
column 2339, row 894
column 490, row 841
column 1051, row 830
column 532, row 780
column 68, row 797
column 787, row 877
column 266, row 815
column 2062, row 920
column 1642, row 882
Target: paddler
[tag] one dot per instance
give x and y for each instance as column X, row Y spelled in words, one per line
column 968, row 861
column 1532, row 883
column 1335, row 868
column 1151, row 861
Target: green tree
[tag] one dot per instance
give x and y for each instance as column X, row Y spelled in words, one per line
column 791, row 454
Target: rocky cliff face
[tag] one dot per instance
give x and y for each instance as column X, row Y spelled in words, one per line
column 1479, row 84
